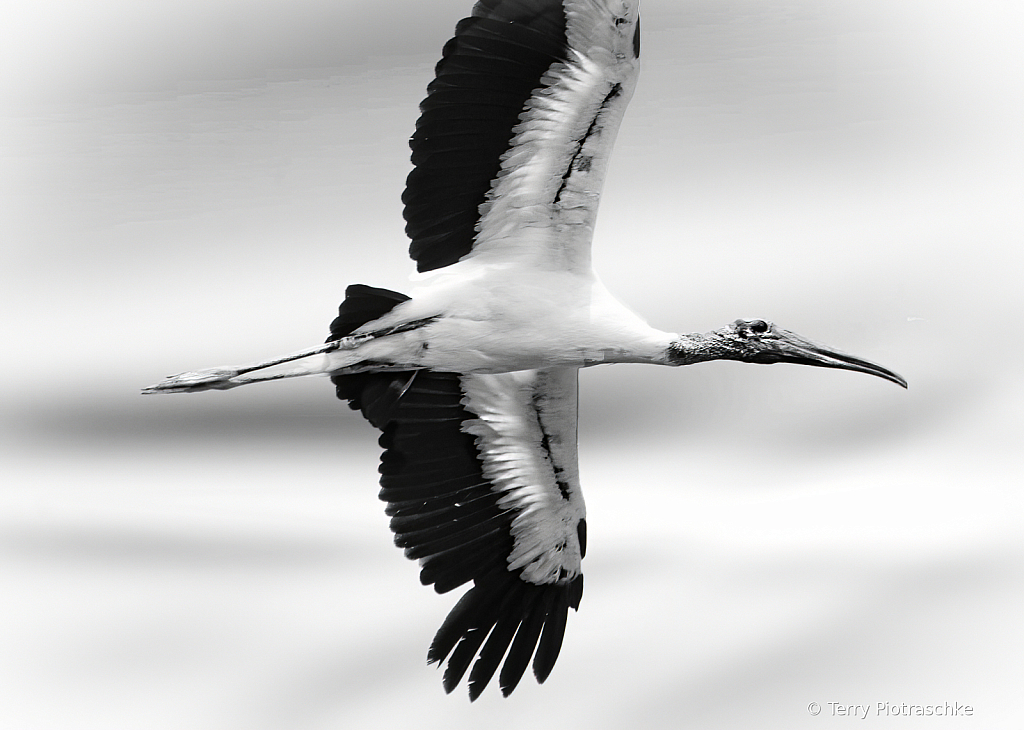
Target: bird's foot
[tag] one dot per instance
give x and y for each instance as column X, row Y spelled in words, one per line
column 193, row 382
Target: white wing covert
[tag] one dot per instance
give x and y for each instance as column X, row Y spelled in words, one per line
column 525, row 431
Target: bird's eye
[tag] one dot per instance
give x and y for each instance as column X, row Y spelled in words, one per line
column 758, row 327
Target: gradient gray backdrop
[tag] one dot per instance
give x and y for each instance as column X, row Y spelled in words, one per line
column 192, row 183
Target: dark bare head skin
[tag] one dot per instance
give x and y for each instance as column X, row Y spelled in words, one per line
column 762, row 342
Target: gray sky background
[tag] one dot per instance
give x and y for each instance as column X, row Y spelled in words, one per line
column 195, row 183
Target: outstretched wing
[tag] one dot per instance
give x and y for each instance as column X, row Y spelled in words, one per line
column 514, row 137
column 480, row 476
column 479, row 473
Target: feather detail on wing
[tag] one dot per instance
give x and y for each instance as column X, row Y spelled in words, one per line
column 486, row 74
column 480, row 478
column 516, row 131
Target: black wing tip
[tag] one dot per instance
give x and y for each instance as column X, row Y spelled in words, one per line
column 520, row 621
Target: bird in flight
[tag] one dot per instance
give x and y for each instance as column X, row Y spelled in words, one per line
column 472, row 378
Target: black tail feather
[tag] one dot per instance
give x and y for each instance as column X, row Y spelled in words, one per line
column 375, row 394
column 363, row 304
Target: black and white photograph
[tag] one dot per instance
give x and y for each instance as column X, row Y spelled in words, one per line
column 607, row 364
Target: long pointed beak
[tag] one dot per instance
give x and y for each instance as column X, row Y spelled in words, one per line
column 789, row 347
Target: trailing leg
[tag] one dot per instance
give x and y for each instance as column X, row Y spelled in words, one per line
column 362, row 304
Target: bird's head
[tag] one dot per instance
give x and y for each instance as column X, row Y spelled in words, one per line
column 762, row 342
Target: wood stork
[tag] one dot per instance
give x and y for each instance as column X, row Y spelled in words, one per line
column 472, row 378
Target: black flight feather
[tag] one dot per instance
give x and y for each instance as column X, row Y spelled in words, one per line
column 486, row 74
column 510, row 615
column 522, row 648
column 554, row 627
